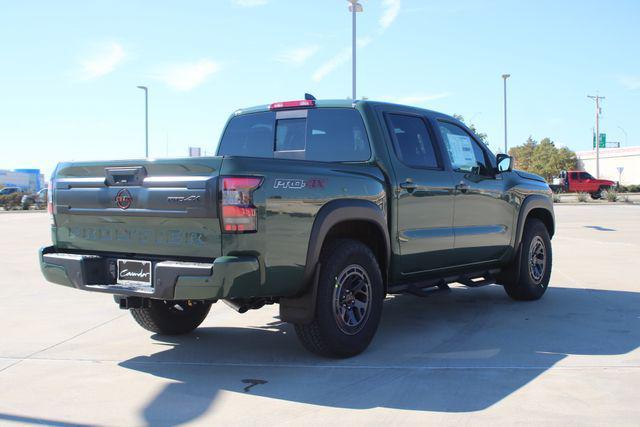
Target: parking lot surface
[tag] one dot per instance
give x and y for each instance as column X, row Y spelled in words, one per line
column 471, row 356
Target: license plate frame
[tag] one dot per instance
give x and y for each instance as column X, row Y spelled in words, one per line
column 134, row 272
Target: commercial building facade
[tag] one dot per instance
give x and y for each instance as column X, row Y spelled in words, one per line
column 29, row 180
column 627, row 158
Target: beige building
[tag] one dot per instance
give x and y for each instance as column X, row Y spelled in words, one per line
column 611, row 159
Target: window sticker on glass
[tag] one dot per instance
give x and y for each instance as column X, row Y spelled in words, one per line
column 461, row 152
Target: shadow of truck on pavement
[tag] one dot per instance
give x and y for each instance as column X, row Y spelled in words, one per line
column 457, row 352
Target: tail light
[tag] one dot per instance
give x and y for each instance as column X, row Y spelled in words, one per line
column 239, row 215
column 50, row 197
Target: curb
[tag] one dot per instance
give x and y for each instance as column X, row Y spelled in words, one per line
column 597, row 204
column 21, row 211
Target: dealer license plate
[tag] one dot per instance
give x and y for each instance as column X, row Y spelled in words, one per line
column 134, row 272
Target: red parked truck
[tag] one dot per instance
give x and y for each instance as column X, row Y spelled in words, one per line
column 581, row 182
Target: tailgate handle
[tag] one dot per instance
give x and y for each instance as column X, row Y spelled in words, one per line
column 125, row 176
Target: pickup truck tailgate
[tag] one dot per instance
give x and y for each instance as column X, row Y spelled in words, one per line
column 150, row 207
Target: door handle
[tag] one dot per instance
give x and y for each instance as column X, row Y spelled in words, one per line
column 408, row 185
column 462, row 187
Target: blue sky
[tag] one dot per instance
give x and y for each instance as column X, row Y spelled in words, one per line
column 70, row 69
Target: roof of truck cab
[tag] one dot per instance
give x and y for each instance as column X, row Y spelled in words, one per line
column 348, row 103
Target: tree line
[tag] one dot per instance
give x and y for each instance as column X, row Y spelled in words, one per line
column 543, row 158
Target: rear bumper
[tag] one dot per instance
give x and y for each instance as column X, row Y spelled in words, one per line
column 225, row 277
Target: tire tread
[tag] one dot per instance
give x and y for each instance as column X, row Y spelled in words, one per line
column 158, row 319
column 516, row 281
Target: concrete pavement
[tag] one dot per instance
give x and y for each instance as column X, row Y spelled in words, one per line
column 472, row 356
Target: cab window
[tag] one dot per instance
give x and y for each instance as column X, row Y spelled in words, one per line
column 465, row 152
column 585, row 175
column 322, row 134
column 412, row 141
column 290, row 138
column 336, row 135
column 249, row 135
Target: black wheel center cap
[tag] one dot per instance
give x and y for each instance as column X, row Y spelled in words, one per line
column 349, row 299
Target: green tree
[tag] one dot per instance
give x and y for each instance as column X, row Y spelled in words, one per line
column 543, row 158
column 481, row 135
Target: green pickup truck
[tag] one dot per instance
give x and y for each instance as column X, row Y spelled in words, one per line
column 323, row 207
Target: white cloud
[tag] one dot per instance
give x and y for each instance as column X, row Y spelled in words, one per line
column 391, row 10
column 249, row 3
column 187, row 76
column 416, row 99
column 103, row 61
column 630, row 82
column 299, row 55
column 339, row 59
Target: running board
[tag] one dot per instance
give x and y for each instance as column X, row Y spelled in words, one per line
column 429, row 290
column 440, row 285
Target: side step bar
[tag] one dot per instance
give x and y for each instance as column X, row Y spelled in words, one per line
column 441, row 284
column 429, row 290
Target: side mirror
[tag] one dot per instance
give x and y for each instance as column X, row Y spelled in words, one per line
column 505, row 163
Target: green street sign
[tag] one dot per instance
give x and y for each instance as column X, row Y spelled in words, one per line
column 603, row 140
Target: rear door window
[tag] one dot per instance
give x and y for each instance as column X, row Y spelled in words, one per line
column 325, row 134
column 412, row 141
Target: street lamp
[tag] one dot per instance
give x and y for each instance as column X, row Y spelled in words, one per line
column 505, row 77
column 354, row 8
column 146, row 120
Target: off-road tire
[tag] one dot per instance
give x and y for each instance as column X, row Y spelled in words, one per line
column 323, row 335
column 171, row 317
column 518, row 279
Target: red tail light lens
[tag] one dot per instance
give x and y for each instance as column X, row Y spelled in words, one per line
column 239, row 215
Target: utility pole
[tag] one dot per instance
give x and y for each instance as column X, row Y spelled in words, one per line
column 354, row 8
column 146, row 120
column 505, row 77
column 597, row 98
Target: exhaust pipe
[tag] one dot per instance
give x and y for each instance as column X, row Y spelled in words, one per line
column 243, row 305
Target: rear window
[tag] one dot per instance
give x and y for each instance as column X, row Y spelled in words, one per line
column 249, row 135
column 325, row 134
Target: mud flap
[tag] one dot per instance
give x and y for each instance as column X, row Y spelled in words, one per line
column 301, row 310
column 510, row 273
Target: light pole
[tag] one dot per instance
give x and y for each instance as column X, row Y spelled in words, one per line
column 504, row 78
column 146, row 120
column 354, row 8
column 597, row 98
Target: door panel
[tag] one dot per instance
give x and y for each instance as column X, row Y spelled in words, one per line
column 483, row 215
column 425, row 219
column 483, row 219
column 424, row 193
